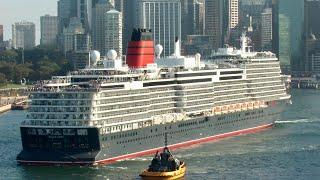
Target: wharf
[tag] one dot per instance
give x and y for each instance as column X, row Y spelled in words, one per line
column 6, row 102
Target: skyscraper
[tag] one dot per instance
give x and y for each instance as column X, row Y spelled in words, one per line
column 199, row 17
column 99, row 20
column 49, row 30
column 128, row 10
column 69, row 34
column 266, row 29
column 290, row 31
column 66, row 9
column 187, row 18
column 312, row 34
column 84, row 12
column 164, row 19
column 113, row 28
column 214, row 27
column 23, row 35
column 1, row 33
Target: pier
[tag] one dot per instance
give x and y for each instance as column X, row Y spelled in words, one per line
column 12, row 96
column 305, row 83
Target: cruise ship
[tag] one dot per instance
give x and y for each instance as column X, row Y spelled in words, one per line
column 115, row 110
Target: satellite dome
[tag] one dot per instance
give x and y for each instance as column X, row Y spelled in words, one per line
column 158, row 49
column 94, row 57
column 112, row 54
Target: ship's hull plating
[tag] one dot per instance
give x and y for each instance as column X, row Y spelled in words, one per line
column 102, row 149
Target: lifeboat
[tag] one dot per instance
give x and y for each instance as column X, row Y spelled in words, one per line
column 164, row 167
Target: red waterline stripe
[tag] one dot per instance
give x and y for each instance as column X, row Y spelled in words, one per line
column 152, row 151
column 187, row 143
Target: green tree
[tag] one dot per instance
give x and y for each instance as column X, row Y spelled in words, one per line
column 22, row 71
column 9, row 55
column 47, row 69
column 3, row 79
column 7, row 68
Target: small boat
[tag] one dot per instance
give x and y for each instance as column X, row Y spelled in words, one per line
column 19, row 106
column 164, row 166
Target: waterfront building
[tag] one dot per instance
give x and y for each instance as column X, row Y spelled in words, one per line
column 99, row 20
column 164, row 19
column 113, row 31
column 266, row 30
column 23, row 35
column 49, row 30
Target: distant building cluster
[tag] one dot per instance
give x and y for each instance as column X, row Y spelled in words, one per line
column 288, row 28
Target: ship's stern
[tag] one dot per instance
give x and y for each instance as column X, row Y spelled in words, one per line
column 69, row 146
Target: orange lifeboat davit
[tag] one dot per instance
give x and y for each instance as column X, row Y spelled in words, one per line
column 140, row 50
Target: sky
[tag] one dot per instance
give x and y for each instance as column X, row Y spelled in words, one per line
column 12, row 11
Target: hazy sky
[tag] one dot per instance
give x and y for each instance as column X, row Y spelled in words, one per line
column 16, row 10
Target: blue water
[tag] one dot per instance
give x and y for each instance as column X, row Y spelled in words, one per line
column 290, row 150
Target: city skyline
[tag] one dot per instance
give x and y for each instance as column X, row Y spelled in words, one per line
column 33, row 8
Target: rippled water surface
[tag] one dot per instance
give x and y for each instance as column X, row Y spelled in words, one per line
column 290, row 150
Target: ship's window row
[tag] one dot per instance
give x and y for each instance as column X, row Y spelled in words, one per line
column 230, row 72
column 263, row 71
column 229, row 78
column 61, row 103
column 122, row 92
column 160, row 83
column 60, row 96
column 195, row 74
column 263, row 75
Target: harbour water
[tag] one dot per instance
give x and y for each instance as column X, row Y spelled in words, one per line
column 290, row 150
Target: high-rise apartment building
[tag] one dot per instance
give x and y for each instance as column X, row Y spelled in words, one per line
column 164, row 19
column 49, row 30
column 98, row 26
column 214, row 21
column 113, row 31
column 233, row 14
column 266, row 30
column 23, row 35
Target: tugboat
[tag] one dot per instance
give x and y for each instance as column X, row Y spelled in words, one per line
column 164, row 167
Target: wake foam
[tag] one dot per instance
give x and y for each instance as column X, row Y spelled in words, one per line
column 297, row 121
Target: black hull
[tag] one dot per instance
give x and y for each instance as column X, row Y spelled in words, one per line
column 104, row 149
